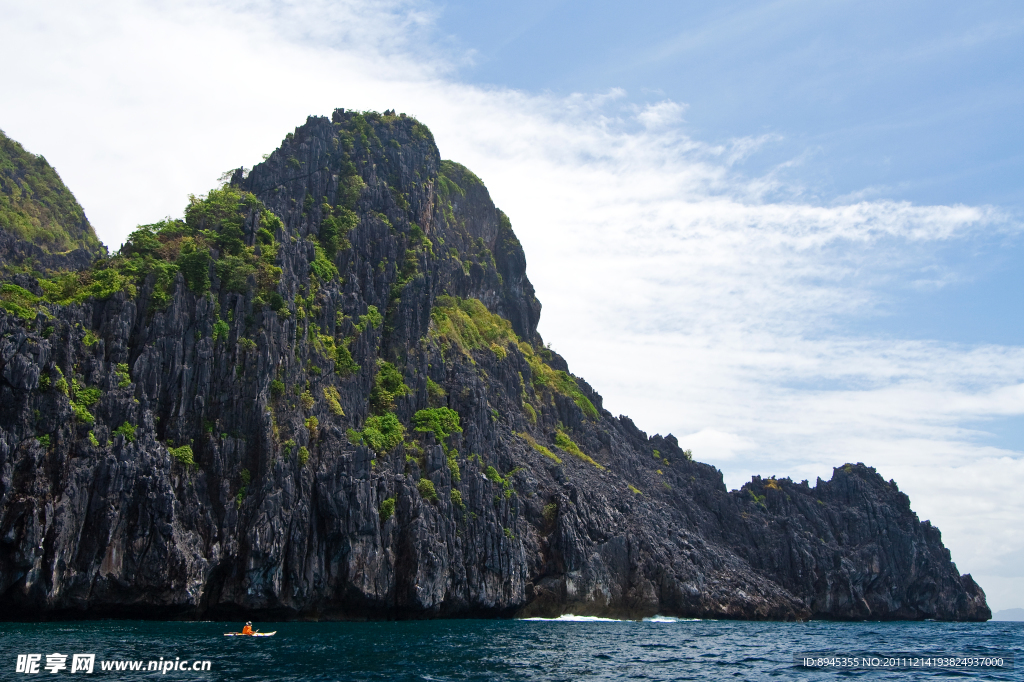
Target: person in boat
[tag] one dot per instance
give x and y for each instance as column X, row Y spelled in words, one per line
column 247, row 630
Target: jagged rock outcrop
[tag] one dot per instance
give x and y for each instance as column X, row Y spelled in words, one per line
column 323, row 395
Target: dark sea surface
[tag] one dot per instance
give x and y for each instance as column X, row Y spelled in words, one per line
column 563, row 649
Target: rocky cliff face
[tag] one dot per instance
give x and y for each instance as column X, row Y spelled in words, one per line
column 323, row 395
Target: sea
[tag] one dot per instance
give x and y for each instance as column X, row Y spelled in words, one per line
column 566, row 649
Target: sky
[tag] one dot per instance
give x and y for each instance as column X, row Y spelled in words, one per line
column 787, row 232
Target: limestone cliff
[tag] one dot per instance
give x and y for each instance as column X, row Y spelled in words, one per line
column 322, row 394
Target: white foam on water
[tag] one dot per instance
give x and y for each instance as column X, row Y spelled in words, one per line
column 570, row 618
column 669, row 619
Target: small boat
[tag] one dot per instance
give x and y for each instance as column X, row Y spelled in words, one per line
column 255, row 634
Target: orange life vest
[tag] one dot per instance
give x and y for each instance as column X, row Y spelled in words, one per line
column 247, row 630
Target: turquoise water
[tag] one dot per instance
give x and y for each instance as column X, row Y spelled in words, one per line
column 504, row 650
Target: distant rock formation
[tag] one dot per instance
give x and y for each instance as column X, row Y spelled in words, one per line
column 323, row 395
column 1009, row 614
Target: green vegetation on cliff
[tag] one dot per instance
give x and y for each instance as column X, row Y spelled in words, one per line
column 381, row 433
column 563, row 441
column 540, row 448
column 211, row 233
column 452, row 171
column 467, row 324
column 388, row 385
column 19, row 301
column 37, row 207
column 441, row 421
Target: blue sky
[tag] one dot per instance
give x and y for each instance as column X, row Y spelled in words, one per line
column 789, row 233
column 912, row 100
column 915, row 101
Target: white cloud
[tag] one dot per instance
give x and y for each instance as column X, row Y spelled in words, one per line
column 669, row 281
column 662, row 114
column 717, row 446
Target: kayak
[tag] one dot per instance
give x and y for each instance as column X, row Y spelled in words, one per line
column 255, row 634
